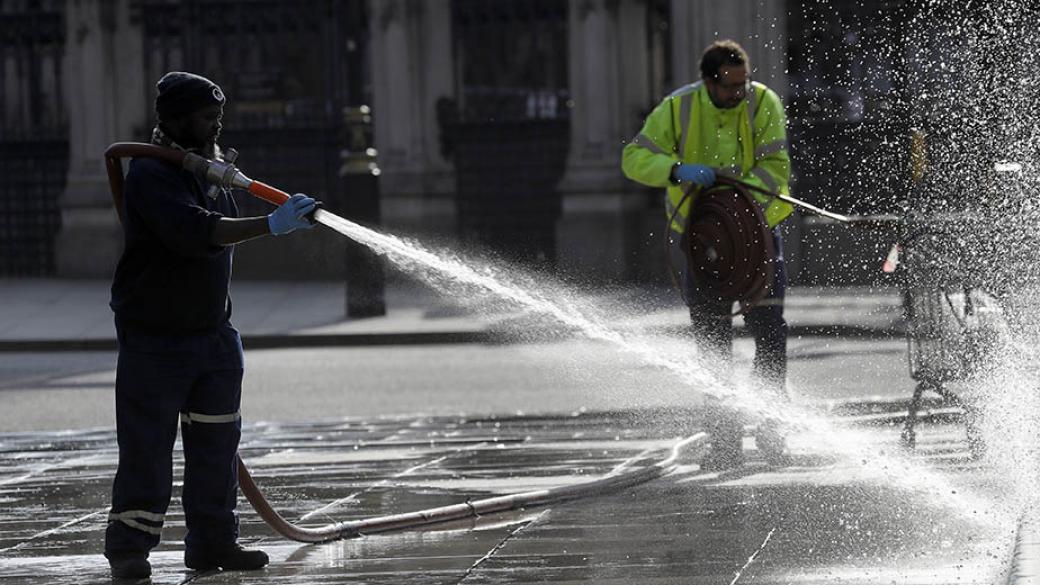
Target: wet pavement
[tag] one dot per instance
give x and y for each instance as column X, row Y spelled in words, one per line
column 813, row 520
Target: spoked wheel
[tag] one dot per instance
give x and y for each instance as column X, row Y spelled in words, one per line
column 972, row 423
column 908, row 438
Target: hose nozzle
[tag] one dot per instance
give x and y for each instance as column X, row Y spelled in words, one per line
column 217, row 172
column 227, row 175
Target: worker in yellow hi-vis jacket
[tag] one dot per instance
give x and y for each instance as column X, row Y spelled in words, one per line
column 726, row 125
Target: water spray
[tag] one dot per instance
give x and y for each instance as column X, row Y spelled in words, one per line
column 445, row 271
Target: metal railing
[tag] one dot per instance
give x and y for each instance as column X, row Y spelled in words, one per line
column 33, row 135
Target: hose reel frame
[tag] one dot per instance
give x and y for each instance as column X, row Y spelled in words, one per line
column 727, row 245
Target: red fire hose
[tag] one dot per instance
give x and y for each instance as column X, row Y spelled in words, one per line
column 620, row 477
column 216, row 172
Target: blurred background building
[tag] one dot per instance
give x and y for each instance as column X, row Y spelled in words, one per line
column 494, row 124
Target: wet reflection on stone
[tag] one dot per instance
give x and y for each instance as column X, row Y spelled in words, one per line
column 813, row 522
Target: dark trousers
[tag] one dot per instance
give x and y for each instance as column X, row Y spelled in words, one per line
column 712, row 328
column 160, row 380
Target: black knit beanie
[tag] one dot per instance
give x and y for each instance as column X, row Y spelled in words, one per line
column 182, row 93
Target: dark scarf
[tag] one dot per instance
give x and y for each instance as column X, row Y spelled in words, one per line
column 212, row 152
column 160, row 138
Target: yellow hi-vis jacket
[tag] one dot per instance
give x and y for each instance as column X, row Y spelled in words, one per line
column 748, row 142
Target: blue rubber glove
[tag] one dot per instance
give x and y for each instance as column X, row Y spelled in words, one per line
column 292, row 215
column 702, row 175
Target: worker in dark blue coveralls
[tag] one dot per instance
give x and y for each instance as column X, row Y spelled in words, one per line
column 180, row 358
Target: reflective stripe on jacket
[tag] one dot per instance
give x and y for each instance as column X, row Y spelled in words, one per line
column 748, row 142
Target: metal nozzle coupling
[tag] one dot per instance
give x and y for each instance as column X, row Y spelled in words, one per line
column 219, row 173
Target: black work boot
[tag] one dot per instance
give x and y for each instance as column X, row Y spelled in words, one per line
column 130, row 567
column 727, row 440
column 772, row 444
column 720, row 459
column 230, row 557
column 727, row 452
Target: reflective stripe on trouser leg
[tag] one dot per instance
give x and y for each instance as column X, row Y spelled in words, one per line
column 766, row 322
column 190, row 417
column 142, row 520
column 210, row 431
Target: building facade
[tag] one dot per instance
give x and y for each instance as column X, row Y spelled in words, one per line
column 498, row 126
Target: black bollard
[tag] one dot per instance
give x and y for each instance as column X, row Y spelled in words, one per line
column 359, row 177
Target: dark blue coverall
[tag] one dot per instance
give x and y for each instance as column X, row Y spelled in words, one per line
column 180, row 360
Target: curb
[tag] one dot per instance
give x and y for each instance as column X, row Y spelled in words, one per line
column 272, row 341
column 27, row 345
column 490, row 335
column 1025, row 561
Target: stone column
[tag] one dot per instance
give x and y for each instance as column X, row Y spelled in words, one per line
column 103, row 79
column 609, row 85
column 412, row 68
column 758, row 25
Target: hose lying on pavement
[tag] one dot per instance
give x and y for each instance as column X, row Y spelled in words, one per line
column 618, row 478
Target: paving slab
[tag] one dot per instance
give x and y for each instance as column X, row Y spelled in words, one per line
column 814, row 520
